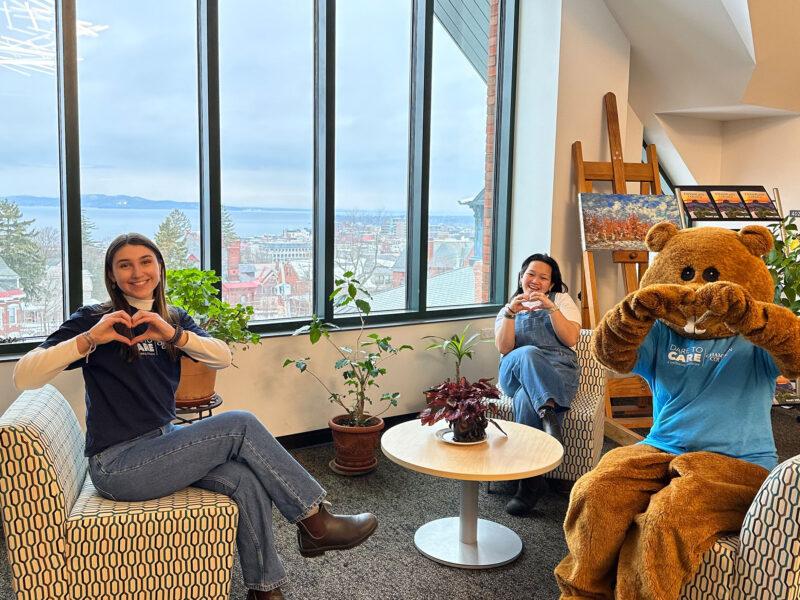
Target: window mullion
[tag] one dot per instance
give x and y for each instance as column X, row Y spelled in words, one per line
column 69, row 154
column 208, row 104
column 419, row 159
column 324, row 154
column 504, row 148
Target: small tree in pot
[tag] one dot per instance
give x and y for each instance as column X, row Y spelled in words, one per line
column 193, row 290
column 457, row 345
column 360, row 366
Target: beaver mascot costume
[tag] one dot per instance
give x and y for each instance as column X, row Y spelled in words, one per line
column 704, row 333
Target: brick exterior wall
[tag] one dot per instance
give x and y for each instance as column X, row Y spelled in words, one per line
column 482, row 283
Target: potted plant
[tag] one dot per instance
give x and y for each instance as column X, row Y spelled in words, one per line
column 356, row 432
column 461, row 403
column 193, row 290
column 456, row 345
column 783, row 262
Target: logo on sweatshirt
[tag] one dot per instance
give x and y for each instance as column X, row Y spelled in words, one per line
column 147, row 348
column 691, row 355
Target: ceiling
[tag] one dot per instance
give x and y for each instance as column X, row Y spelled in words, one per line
column 712, row 59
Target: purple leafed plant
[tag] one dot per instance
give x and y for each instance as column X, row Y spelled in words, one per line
column 463, row 405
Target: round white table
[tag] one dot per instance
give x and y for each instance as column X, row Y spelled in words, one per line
column 467, row 541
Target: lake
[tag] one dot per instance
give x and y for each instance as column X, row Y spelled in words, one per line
column 248, row 222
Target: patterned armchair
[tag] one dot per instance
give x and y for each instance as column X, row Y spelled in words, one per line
column 66, row 542
column 583, row 424
column 763, row 561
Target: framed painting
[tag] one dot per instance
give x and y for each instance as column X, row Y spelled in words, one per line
column 621, row 221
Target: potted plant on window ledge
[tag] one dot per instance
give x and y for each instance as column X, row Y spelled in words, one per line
column 193, row 290
column 356, row 432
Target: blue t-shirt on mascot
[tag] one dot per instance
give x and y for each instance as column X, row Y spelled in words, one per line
column 712, row 395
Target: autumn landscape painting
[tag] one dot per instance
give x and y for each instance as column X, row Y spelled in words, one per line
column 621, row 221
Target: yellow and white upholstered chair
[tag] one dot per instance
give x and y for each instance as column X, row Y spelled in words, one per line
column 762, row 562
column 583, row 424
column 65, row 542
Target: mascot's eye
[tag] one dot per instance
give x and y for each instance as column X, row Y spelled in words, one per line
column 687, row 274
column 710, row 274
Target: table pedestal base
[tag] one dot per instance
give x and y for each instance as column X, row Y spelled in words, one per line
column 495, row 545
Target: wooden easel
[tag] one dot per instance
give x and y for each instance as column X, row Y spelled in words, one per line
column 619, row 419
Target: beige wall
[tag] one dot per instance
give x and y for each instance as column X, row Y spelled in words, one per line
column 699, row 144
column 763, row 152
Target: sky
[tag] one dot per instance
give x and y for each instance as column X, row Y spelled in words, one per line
column 138, row 106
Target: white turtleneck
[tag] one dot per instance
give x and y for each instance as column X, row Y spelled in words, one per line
column 40, row 365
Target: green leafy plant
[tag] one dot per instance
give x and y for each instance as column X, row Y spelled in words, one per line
column 463, row 405
column 360, row 365
column 457, row 345
column 193, row 290
column 783, row 262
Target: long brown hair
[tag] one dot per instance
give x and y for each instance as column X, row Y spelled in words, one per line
column 119, row 302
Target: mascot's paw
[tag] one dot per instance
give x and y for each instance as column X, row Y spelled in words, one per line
column 668, row 302
column 723, row 301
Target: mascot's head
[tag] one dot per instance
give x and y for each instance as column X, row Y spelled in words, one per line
column 700, row 255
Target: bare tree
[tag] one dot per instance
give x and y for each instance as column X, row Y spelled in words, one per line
column 49, row 241
column 358, row 238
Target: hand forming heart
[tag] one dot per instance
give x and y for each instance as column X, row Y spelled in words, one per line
column 157, row 328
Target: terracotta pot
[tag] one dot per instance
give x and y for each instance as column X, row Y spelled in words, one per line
column 196, row 385
column 354, row 447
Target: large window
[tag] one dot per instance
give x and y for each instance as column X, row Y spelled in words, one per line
column 462, row 157
column 277, row 143
column 267, row 154
column 372, row 100
column 138, row 131
column 30, row 226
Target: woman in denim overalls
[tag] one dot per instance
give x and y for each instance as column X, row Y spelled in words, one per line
column 535, row 333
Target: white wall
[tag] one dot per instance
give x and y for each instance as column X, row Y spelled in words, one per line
column 287, row 401
column 535, row 130
column 594, row 60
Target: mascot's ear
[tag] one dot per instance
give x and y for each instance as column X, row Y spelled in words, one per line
column 757, row 239
column 658, row 236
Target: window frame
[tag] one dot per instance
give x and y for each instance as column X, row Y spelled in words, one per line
column 207, row 15
column 661, row 170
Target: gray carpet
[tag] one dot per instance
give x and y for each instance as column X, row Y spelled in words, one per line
column 389, row 567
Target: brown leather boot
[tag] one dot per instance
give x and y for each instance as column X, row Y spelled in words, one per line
column 273, row 594
column 333, row 532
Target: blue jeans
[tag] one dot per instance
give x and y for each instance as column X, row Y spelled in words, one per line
column 231, row 453
column 532, row 375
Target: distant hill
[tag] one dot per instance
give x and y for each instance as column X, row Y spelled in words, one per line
column 103, row 201
column 137, row 202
